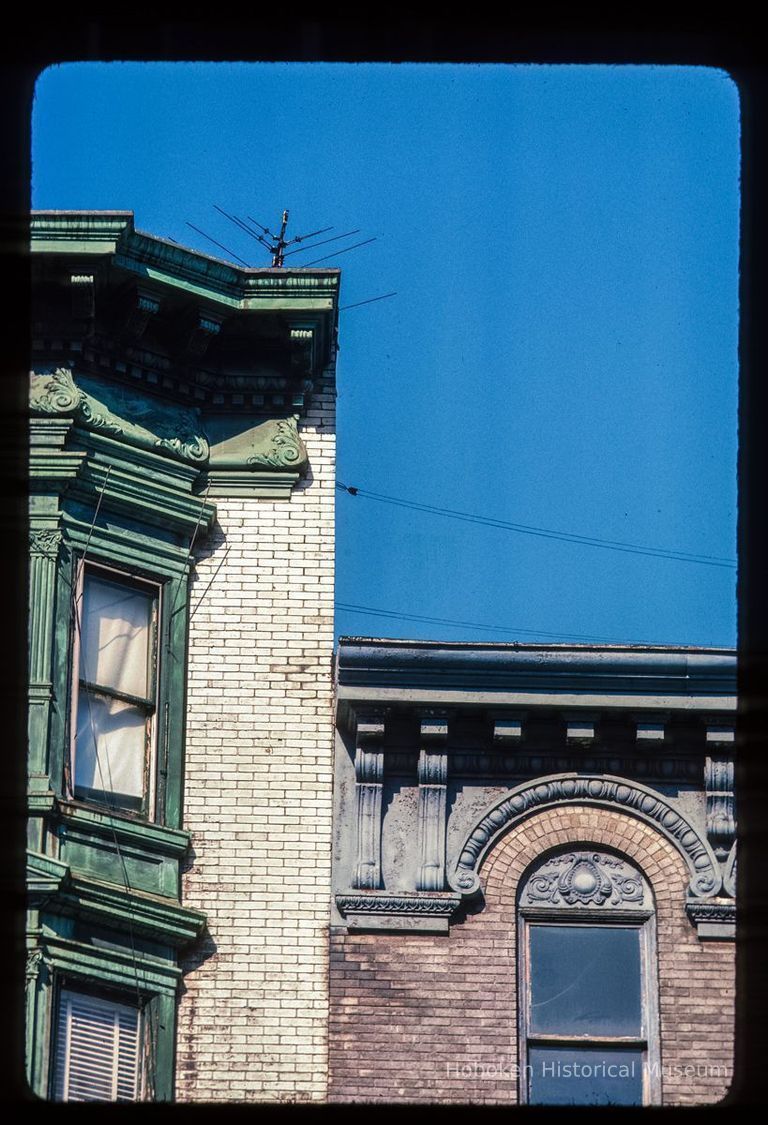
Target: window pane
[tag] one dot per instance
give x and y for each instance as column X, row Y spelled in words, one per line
column 585, row 1076
column 110, row 749
column 97, row 1055
column 115, row 644
column 585, row 980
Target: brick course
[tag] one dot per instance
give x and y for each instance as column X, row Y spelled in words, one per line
column 427, row 1018
column 258, row 793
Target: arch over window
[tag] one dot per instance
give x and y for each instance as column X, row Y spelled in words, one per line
column 587, row 988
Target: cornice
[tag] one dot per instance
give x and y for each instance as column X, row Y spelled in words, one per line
column 381, row 667
column 154, row 258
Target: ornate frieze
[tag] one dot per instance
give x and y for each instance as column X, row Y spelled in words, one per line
column 397, row 904
column 615, row 792
column 586, row 879
column 521, row 763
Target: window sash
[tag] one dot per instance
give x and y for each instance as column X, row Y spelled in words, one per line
column 103, row 747
column 529, row 1039
column 98, row 1049
column 116, row 634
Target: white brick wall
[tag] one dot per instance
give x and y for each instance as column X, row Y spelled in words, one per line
column 253, row 1019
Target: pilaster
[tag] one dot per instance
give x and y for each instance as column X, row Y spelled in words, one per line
column 369, row 777
column 433, row 776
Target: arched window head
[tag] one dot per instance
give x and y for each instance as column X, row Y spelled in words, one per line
column 587, row 982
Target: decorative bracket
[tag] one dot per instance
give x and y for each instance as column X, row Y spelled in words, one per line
column 83, row 295
column 142, row 308
column 718, row 786
column 369, row 777
column 729, row 878
column 204, row 328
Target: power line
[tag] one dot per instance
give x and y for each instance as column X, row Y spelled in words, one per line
column 391, row 614
column 368, row 302
column 338, row 253
column 542, row 532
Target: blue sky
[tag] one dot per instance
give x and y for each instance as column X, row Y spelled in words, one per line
column 562, row 349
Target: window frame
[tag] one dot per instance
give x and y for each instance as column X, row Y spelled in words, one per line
column 641, row 919
column 152, row 705
column 106, row 996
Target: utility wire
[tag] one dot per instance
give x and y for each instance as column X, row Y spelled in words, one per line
column 391, row 614
column 213, row 577
column 368, row 302
column 338, row 253
column 542, row 532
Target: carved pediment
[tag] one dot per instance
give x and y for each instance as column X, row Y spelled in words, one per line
column 122, row 413
column 274, row 443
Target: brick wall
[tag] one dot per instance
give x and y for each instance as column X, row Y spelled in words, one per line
column 253, row 1018
column 432, row 1018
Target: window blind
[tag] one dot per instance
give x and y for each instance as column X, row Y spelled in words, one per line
column 97, row 1050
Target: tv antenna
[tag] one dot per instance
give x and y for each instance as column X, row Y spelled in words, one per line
column 276, row 243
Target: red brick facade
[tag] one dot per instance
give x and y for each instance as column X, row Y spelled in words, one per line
column 433, row 1018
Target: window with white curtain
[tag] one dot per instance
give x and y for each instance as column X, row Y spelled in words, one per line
column 116, row 689
column 97, row 1049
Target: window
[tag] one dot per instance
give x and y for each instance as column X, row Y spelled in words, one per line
column 97, row 1050
column 116, row 690
column 587, row 1028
